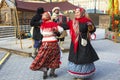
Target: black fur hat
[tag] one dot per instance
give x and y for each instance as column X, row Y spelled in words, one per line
column 40, row 10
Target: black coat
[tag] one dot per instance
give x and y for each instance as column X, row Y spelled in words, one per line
column 83, row 54
column 36, row 22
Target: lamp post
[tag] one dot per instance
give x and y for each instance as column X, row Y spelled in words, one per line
column 50, row 1
column 95, row 7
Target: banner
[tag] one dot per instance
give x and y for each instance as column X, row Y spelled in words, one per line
column 113, row 7
column 110, row 8
column 116, row 6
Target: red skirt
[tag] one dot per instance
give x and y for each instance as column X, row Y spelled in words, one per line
column 48, row 56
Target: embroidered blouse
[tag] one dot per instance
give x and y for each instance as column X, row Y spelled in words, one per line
column 48, row 30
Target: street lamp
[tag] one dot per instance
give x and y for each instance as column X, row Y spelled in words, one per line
column 95, row 7
column 50, row 1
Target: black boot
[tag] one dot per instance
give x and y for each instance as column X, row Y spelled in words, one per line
column 45, row 75
column 52, row 73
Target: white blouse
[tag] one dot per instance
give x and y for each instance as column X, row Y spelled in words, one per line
column 48, row 34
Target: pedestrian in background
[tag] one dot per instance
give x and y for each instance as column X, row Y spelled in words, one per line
column 81, row 55
column 48, row 56
column 35, row 23
column 61, row 20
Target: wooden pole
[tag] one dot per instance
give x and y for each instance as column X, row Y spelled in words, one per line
column 18, row 27
column 14, row 23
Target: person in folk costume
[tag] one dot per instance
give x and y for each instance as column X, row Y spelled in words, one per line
column 48, row 56
column 62, row 20
column 81, row 55
column 35, row 23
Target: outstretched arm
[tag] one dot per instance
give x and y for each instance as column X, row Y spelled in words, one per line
column 64, row 23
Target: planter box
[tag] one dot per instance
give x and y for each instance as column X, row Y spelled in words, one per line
column 114, row 36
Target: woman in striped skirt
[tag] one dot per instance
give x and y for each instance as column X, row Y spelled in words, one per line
column 49, row 53
column 82, row 55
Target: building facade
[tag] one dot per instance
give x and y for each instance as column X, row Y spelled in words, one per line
column 101, row 5
column 91, row 4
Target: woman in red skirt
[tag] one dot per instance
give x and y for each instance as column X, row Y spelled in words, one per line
column 49, row 53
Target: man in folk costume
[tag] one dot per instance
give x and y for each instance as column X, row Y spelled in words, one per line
column 48, row 56
column 35, row 23
column 82, row 55
column 62, row 20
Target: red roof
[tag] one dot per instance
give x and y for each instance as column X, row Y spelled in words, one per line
column 30, row 6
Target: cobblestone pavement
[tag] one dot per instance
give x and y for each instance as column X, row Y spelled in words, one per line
column 107, row 68
column 2, row 53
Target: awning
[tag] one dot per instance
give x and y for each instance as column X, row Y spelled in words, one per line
column 30, row 6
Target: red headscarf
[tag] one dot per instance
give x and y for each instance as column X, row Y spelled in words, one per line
column 74, row 27
column 47, row 23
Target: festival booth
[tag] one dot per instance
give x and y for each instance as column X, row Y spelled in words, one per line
column 113, row 27
column 27, row 9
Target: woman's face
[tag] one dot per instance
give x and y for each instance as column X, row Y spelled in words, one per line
column 45, row 16
column 78, row 14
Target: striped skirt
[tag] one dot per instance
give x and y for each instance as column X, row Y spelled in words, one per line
column 48, row 56
column 81, row 70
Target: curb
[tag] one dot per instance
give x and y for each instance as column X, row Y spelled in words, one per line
column 4, row 58
column 21, row 53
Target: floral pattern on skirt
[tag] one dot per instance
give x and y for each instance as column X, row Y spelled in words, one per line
column 81, row 70
column 48, row 56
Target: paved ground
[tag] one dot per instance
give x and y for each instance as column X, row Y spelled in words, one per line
column 108, row 67
column 2, row 53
